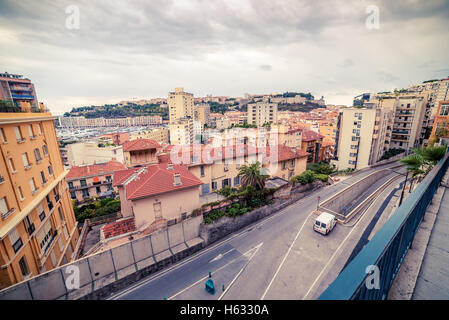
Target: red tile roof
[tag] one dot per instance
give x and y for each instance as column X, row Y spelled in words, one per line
column 140, row 144
column 158, row 179
column 122, row 175
column 94, row 169
column 309, row 135
column 119, row 227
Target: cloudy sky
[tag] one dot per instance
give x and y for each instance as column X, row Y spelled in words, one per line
column 142, row 49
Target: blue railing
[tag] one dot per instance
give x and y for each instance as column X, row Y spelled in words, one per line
column 388, row 247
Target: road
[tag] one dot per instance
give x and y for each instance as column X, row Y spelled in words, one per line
column 279, row 257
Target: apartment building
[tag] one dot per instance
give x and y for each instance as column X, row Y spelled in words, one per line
column 160, row 135
column 312, row 143
column 440, row 127
column 202, row 113
column 361, row 137
column 140, row 152
column 218, row 167
column 91, row 181
column 17, row 93
column 82, row 122
column 408, row 126
column 38, row 230
column 261, row 113
column 86, row 153
column 181, row 116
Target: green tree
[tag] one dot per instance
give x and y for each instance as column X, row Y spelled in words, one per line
column 253, row 175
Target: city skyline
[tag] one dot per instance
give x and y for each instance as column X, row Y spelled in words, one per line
column 143, row 50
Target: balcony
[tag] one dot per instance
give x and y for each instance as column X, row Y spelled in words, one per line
column 51, row 241
column 21, row 140
column 9, row 106
column 7, row 214
column 42, row 215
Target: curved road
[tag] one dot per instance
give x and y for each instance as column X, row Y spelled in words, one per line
column 279, row 257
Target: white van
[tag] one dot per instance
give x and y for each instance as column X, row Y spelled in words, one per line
column 324, row 223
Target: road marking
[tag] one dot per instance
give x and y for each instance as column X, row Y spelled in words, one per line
column 222, row 242
column 256, row 248
column 221, row 255
column 285, row 257
column 222, row 267
column 339, row 247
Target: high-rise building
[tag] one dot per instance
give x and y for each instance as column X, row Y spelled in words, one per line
column 202, row 113
column 181, row 116
column 180, row 105
column 38, row 230
column 17, row 93
column 261, row 113
column 361, row 136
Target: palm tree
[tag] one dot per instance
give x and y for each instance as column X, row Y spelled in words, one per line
column 253, row 175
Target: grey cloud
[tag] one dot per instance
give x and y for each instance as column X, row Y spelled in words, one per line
column 265, row 67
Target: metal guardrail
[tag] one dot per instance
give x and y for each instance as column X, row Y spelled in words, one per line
column 388, row 247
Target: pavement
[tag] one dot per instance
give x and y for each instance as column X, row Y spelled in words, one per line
column 433, row 278
column 279, row 257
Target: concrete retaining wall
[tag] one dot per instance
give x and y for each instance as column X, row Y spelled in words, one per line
column 105, row 272
column 348, row 195
column 227, row 225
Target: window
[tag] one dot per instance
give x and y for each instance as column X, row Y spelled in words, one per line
column 32, row 185
column 202, row 170
column 24, row 267
column 98, row 189
column 444, row 110
column 60, row 214
column 26, row 163
column 2, row 134
column 29, row 225
column 70, row 185
column 18, row 134
column 66, row 235
column 37, row 154
column 61, row 247
column 39, row 128
column 19, row 190
column 4, row 208
column 12, row 166
column 16, row 241
column 40, row 211
column 44, row 181
column 83, row 183
column 31, row 131
column 53, row 258
column 45, row 150
column 86, row 193
column 214, row 185
column 72, row 195
column 44, row 236
column 50, row 171
column 237, row 181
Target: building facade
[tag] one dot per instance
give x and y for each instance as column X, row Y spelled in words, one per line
column 38, row 230
column 262, row 113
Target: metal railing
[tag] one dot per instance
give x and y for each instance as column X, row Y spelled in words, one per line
column 388, row 247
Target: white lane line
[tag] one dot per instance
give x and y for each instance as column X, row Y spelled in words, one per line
column 202, row 252
column 241, row 270
column 339, row 247
column 222, row 267
column 285, row 257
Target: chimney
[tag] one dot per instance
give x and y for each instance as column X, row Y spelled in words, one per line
column 170, row 166
column 177, row 179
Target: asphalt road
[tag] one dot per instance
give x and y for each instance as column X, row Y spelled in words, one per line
column 279, row 257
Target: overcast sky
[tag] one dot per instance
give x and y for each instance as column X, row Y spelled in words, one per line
column 144, row 49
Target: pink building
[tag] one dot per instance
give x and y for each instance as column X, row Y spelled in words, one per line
column 156, row 194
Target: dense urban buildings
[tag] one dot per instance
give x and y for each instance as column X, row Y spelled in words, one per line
column 38, row 231
column 18, row 92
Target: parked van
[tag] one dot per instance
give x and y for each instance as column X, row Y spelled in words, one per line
column 324, row 223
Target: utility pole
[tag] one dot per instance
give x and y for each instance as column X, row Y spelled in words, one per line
column 403, row 188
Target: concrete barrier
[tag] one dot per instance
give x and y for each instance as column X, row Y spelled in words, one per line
column 105, row 272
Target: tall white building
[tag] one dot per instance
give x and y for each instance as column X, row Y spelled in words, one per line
column 181, row 116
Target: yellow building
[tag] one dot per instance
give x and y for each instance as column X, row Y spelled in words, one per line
column 38, row 230
column 180, row 105
column 160, row 135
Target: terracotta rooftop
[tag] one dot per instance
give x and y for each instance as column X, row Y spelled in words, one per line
column 159, row 179
column 94, row 169
column 119, row 227
column 309, row 135
column 122, row 175
column 140, row 144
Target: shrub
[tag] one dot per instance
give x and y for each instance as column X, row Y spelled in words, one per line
column 322, row 177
